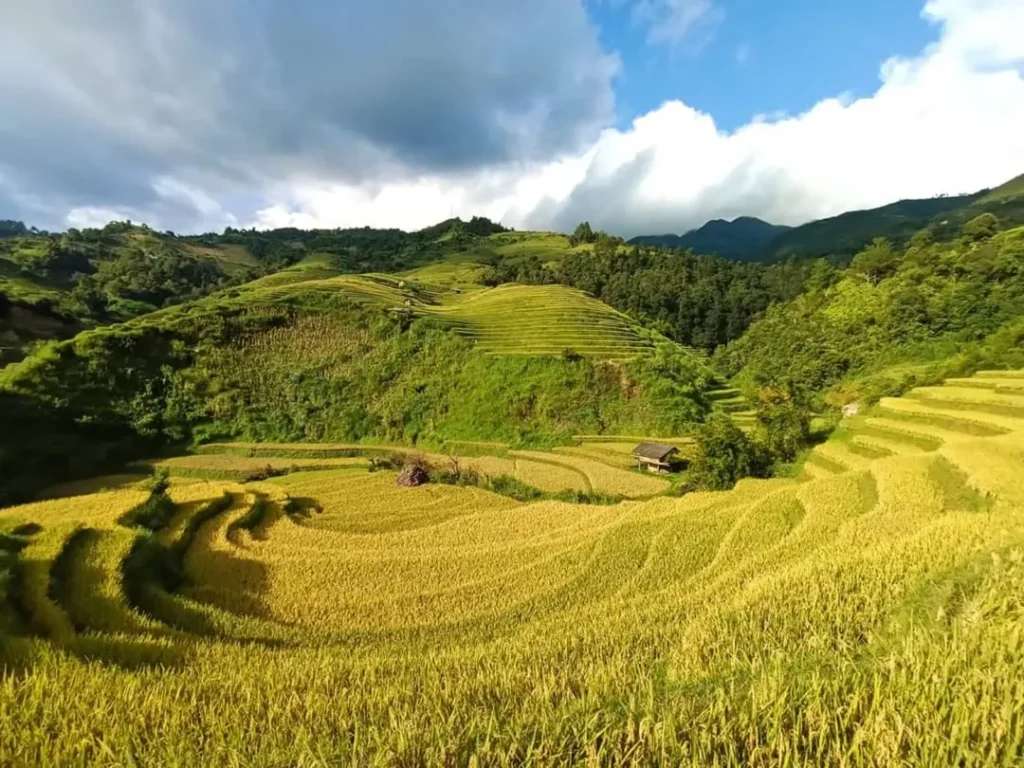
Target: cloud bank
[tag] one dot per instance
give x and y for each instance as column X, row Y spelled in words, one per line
column 199, row 113
column 195, row 115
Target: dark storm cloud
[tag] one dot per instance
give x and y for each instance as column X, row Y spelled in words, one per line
column 102, row 98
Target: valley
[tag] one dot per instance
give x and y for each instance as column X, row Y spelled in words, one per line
column 382, row 494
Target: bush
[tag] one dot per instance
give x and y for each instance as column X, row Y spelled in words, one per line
column 784, row 424
column 724, row 455
column 156, row 511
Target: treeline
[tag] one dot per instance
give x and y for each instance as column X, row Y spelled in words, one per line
column 359, row 249
column 699, row 301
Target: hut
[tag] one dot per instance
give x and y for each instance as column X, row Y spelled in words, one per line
column 655, row 457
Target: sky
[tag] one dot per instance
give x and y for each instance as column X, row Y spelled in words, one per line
column 640, row 116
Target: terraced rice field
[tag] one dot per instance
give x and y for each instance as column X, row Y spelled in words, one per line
column 507, row 320
column 228, row 467
column 542, row 320
column 870, row 614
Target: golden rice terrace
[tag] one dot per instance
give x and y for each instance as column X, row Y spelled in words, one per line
column 868, row 613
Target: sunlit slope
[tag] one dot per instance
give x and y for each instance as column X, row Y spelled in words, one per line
column 975, row 416
column 542, row 320
column 868, row 616
column 507, row 320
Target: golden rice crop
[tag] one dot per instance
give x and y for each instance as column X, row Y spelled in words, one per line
column 602, row 477
column 226, row 465
column 871, row 616
column 96, row 510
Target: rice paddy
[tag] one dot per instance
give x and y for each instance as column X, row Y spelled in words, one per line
column 869, row 614
column 507, row 320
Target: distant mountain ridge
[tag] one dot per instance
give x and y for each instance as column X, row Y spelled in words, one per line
column 737, row 239
column 840, row 237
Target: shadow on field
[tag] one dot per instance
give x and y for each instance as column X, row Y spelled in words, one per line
column 129, row 653
column 233, row 584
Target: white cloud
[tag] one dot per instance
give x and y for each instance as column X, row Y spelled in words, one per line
column 946, row 121
column 87, row 216
column 176, row 107
column 949, row 120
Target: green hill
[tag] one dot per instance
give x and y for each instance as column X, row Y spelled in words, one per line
column 847, row 233
column 896, row 318
column 308, row 353
column 842, row 236
column 55, row 284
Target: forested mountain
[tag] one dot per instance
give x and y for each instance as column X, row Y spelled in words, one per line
column 742, row 239
column 838, row 238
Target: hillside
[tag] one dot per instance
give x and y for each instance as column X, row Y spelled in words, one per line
column 895, row 319
column 784, row 621
column 312, row 353
column 53, row 285
column 743, row 239
column 842, row 236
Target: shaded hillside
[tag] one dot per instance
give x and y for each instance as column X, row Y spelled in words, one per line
column 844, row 235
column 743, row 239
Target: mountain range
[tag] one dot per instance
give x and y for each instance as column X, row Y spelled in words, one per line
column 840, row 237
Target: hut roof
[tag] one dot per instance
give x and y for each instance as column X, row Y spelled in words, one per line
column 654, row 451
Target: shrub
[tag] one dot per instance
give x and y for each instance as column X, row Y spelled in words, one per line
column 783, row 423
column 724, row 455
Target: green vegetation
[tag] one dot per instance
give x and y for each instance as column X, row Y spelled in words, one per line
column 894, row 319
column 308, row 354
column 52, row 285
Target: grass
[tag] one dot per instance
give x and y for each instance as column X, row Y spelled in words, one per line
column 868, row 616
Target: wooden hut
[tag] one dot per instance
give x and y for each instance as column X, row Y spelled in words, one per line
column 655, row 457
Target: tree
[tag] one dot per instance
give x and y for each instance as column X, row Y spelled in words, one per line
column 783, row 422
column 877, row 261
column 724, row 455
column 605, row 246
column 582, row 234
column 981, row 227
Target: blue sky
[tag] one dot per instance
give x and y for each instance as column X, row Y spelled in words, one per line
column 759, row 57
